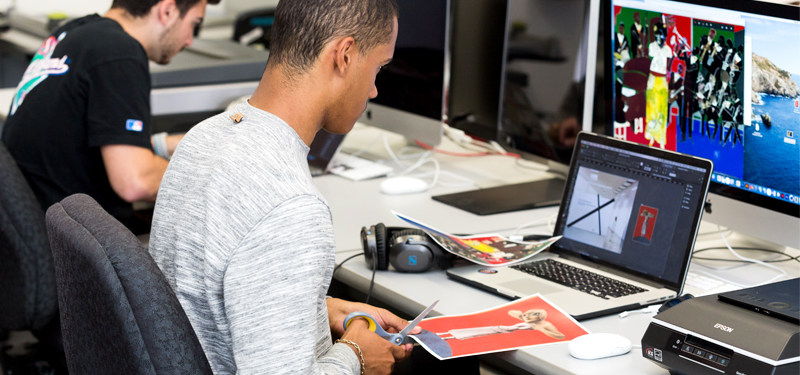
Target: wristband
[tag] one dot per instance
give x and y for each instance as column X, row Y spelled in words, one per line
column 360, row 355
column 160, row 145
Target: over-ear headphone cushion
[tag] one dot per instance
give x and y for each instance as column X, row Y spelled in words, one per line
column 407, row 232
column 381, row 252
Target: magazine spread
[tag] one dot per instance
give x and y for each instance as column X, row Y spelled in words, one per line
column 491, row 250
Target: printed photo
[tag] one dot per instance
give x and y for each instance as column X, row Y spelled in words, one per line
column 525, row 322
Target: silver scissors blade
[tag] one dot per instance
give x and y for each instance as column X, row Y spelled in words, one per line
column 418, row 319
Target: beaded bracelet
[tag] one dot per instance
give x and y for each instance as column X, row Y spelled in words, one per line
column 360, row 355
column 160, row 145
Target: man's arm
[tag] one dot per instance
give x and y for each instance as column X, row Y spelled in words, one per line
column 172, row 142
column 134, row 172
column 274, row 291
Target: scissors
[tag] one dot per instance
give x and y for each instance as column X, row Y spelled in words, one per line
column 395, row 338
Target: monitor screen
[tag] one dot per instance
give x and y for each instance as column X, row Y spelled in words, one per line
column 478, row 42
column 717, row 79
column 411, row 89
column 414, row 81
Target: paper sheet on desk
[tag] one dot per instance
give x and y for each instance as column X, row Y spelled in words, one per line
column 491, row 250
column 525, row 322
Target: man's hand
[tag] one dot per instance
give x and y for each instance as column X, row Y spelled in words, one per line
column 338, row 309
column 380, row 355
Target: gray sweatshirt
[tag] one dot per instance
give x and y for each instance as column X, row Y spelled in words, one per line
column 246, row 242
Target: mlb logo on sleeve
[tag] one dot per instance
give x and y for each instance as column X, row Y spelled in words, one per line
column 134, row 125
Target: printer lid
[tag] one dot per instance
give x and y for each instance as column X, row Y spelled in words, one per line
column 780, row 300
column 747, row 332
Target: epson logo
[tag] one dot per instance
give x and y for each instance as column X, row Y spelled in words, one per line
column 723, row 328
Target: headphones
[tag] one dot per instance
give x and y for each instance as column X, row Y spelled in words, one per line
column 406, row 249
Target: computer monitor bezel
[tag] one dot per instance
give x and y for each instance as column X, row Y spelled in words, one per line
column 747, row 212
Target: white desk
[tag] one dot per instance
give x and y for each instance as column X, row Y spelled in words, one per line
column 355, row 205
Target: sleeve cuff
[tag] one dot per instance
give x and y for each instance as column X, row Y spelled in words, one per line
column 349, row 357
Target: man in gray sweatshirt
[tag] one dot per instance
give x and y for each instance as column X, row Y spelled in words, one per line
column 240, row 231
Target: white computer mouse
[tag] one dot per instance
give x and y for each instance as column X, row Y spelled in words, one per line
column 599, row 345
column 403, row 185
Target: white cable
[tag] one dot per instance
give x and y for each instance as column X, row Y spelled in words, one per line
column 363, row 150
column 391, row 153
column 652, row 309
column 530, row 224
column 551, row 223
column 783, row 273
column 424, row 158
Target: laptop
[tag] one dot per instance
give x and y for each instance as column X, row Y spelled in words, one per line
column 322, row 150
column 629, row 217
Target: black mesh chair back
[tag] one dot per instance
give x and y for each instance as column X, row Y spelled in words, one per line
column 28, row 298
column 118, row 313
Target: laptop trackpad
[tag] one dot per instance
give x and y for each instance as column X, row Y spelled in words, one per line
column 528, row 287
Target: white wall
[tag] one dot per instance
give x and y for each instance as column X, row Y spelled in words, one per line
column 82, row 7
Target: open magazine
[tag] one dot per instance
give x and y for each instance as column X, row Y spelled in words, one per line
column 491, row 250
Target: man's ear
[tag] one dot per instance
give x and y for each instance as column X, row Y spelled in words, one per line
column 167, row 11
column 345, row 52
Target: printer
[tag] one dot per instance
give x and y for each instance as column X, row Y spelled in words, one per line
column 752, row 331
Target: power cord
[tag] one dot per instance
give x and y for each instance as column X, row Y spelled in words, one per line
column 535, row 223
column 372, row 281
column 424, row 158
column 788, row 257
column 345, row 261
column 783, row 273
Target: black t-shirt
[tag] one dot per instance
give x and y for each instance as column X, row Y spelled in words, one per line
column 87, row 86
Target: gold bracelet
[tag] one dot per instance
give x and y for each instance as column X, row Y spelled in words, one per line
column 360, row 355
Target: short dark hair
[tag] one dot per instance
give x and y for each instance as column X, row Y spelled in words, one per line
column 302, row 28
column 141, row 8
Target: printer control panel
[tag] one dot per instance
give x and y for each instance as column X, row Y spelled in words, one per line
column 708, row 357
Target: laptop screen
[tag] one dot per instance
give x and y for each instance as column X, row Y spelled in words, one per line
column 632, row 207
column 323, row 149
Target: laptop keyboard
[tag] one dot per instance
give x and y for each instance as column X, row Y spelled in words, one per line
column 580, row 279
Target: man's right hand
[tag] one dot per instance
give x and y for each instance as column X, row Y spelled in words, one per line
column 379, row 354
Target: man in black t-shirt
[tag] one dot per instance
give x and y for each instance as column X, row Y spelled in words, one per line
column 80, row 119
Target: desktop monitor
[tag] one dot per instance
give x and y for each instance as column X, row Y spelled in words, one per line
column 496, row 107
column 412, row 88
column 477, row 70
column 719, row 79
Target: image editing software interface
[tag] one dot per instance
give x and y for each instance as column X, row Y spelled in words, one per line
column 631, row 210
column 714, row 83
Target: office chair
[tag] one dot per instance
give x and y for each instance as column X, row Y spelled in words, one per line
column 118, row 313
column 28, row 299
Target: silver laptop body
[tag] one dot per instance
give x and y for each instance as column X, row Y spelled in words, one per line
column 629, row 213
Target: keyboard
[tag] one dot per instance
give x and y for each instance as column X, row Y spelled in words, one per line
column 579, row 279
column 708, row 285
column 357, row 169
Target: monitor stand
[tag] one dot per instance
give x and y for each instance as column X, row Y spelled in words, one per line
column 507, row 198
